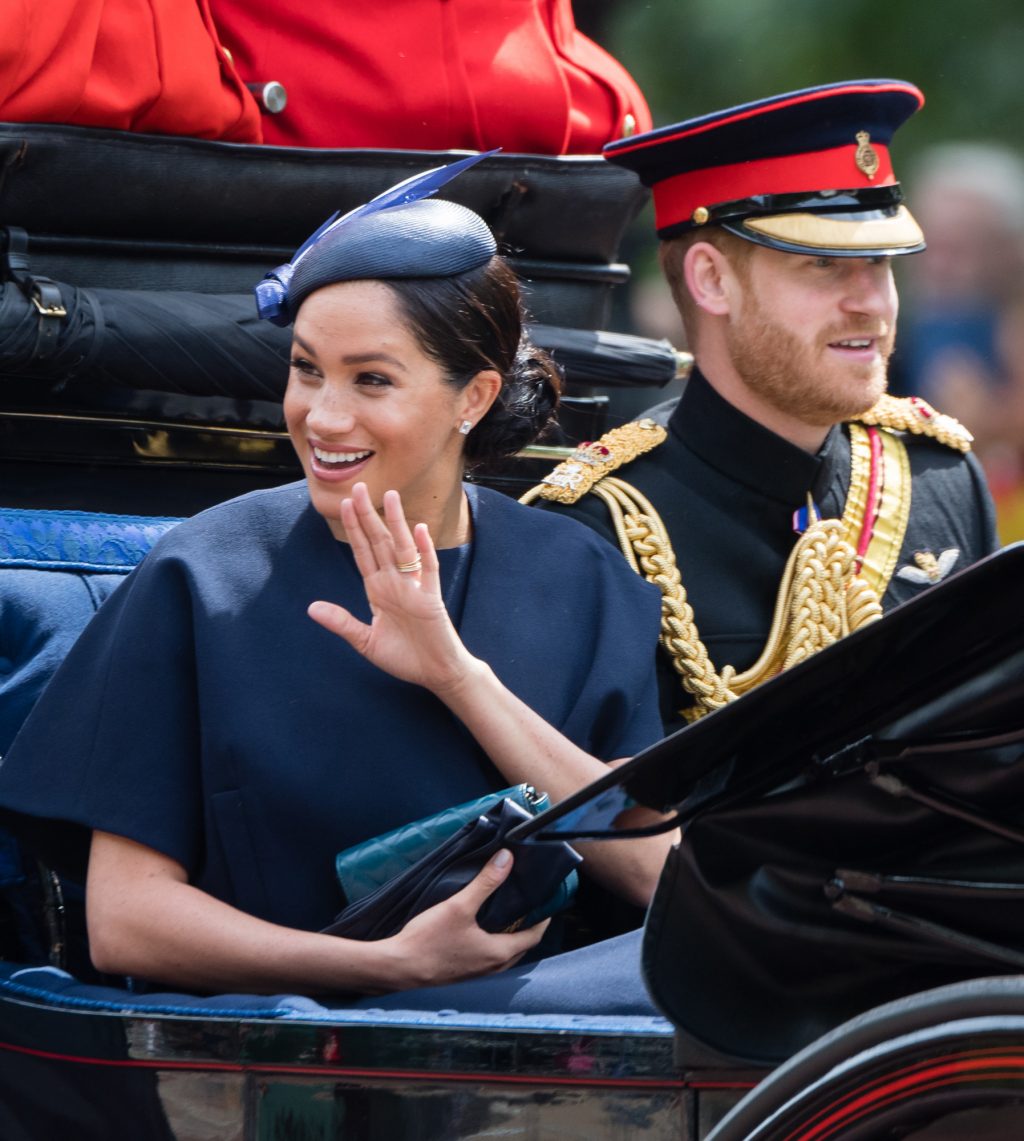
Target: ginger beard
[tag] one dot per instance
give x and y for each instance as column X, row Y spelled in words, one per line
column 802, row 375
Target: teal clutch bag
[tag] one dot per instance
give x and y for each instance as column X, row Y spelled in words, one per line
column 365, row 867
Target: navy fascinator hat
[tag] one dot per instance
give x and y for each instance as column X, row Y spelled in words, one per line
column 397, row 234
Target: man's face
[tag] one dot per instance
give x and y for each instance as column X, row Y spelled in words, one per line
column 812, row 336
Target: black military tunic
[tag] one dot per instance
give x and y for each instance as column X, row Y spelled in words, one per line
column 727, row 488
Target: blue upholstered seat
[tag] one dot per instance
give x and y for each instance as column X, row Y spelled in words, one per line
column 56, row 568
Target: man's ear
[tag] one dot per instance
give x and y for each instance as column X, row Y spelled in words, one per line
column 710, row 279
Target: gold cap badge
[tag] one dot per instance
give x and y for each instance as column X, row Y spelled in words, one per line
column 866, row 157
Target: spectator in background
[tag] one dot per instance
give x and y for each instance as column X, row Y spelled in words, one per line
column 955, row 291
column 961, row 328
column 1000, row 411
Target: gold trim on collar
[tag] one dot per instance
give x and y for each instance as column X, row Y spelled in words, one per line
column 917, row 416
column 594, row 460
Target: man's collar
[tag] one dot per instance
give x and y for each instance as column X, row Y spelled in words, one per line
column 752, row 455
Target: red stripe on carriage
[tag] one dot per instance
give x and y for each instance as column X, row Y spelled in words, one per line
column 477, row 1077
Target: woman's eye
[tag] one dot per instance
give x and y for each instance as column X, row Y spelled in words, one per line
column 301, row 364
column 824, row 263
column 373, row 380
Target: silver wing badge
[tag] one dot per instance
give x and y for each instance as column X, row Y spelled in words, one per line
column 929, row 569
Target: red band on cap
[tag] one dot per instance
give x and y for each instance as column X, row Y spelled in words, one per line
column 676, row 198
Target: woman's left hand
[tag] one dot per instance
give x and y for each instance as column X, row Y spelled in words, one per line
column 411, row 636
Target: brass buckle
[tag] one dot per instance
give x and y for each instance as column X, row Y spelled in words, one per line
column 48, row 310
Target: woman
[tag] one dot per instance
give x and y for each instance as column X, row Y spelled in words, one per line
column 224, row 747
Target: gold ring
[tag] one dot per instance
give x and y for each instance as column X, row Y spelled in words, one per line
column 410, row 567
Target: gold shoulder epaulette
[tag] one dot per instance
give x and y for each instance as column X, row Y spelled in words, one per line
column 592, row 461
column 917, row 416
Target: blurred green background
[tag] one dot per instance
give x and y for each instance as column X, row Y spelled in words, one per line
column 694, row 56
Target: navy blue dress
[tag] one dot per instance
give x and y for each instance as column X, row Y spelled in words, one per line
column 204, row 714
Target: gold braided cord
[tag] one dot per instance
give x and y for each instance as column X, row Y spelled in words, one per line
column 823, row 594
column 645, row 543
column 824, row 586
column 917, row 416
column 819, row 600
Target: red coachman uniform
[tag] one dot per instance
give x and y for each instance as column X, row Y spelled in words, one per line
column 134, row 65
column 432, row 74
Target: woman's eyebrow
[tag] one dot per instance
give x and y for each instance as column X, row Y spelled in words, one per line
column 355, row 358
column 370, row 358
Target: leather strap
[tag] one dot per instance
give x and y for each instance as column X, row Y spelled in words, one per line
column 42, row 292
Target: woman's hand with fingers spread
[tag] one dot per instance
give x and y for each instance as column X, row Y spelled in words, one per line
column 410, row 636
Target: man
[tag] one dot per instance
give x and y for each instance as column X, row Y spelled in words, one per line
column 779, row 220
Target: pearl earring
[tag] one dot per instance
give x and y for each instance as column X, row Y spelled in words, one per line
column 466, row 427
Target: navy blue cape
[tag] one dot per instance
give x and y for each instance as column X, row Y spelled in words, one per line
column 204, row 714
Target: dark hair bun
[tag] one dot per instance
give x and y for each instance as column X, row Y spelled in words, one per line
column 525, row 406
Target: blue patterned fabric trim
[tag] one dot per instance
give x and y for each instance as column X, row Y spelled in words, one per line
column 77, row 540
column 57, row 988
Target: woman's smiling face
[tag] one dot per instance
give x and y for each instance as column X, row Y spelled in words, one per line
column 365, row 402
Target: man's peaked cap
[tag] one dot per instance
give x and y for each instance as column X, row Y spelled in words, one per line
column 808, row 171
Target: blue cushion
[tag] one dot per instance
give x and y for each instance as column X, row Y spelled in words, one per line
column 56, row 567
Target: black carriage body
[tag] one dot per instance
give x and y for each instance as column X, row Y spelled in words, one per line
column 103, row 1074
